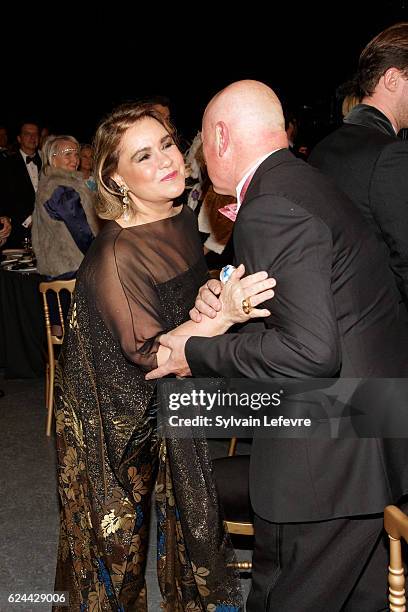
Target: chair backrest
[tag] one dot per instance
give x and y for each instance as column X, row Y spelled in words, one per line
column 396, row 526
column 232, row 480
column 55, row 286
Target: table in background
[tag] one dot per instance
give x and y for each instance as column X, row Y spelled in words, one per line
column 22, row 329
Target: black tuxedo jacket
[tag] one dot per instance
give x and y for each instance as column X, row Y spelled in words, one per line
column 369, row 163
column 335, row 311
column 17, row 196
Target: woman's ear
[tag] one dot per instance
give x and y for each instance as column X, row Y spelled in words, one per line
column 116, row 178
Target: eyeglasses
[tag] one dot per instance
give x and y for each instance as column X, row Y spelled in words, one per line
column 67, row 153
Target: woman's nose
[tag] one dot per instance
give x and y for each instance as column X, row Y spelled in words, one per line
column 165, row 160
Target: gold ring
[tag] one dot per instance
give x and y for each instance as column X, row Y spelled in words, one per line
column 246, row 306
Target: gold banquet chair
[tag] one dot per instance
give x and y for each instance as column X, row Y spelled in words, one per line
column 232, row 480
column 396, row 526
column 52, row 340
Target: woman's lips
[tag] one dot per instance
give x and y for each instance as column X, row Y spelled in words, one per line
column 170, row 176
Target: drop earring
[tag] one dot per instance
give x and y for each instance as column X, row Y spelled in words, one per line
column 125, row 199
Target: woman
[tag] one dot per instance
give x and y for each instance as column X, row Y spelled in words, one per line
column 86, row 160
column 86, row 163
column 138, row 280
column 64, row 221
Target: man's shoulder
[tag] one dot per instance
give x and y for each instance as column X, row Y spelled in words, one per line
column 14, row 162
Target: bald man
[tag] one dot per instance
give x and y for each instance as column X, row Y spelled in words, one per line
column 318, row 503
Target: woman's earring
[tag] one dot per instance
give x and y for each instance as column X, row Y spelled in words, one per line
column 125, row 199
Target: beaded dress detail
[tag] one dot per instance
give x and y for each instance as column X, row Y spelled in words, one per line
column 133, row 285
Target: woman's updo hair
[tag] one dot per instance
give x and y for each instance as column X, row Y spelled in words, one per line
column 108, row 136
column 51, row 148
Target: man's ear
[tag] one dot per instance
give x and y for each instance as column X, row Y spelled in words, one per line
column 222, row 137
column 392, row 78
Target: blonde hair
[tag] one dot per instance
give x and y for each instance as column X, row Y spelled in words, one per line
column 349, row 102
column 51, row 146
column 108, row 136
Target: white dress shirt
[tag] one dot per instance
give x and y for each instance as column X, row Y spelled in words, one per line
column 32, row 170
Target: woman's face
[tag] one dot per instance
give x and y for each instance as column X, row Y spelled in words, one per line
column 66, row 156
column 150, row 164
column 86, row 158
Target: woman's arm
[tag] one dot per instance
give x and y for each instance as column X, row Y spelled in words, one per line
column 65, row 205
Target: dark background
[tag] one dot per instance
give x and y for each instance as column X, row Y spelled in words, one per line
column 68, row 69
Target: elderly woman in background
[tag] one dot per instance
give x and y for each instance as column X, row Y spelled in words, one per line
column 64, row 221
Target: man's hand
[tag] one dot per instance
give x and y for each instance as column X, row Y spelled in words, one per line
column 176, row 363
column 207, row 303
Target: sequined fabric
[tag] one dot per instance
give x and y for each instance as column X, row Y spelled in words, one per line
column 109, row 457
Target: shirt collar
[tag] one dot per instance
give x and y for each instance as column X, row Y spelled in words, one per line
column 248, row 174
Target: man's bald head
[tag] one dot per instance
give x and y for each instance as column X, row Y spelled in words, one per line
column 247, row 104
column 242, row 123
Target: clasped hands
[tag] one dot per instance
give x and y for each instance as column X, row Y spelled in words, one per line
column 223, row 303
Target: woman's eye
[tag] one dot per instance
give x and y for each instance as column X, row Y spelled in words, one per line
column 145, row 156
column 168, row 144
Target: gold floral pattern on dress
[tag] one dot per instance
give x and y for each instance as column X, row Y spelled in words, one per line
column 139, row 482
column 96, row 598
column 110, row 523
column 118, row 573
column 72, row 467
column 108, row 457
column 138, row 556
column 193, row 607
column 73, row 322
column 65, row 416
column 199, row 573
column 59, row 421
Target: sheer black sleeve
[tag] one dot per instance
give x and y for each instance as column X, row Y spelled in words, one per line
column 129, row 271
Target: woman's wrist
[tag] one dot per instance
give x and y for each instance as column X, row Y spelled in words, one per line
column 222, row 322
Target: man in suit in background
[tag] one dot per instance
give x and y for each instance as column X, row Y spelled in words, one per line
column 318, row 531
column 365, row 157
column 19, row 176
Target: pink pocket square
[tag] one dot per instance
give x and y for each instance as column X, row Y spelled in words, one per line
column 229, row 211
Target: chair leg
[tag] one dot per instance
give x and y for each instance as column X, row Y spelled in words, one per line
column 396, row 577
column 47, row 383
column 50, row 397
column 232, row 447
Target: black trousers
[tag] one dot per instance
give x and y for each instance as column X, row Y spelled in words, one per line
column 330, row 566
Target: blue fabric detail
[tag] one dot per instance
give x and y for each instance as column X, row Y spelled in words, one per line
column 139, row 519
column 104, row 577
column 65, row 276
column 91, row 183
column 161, row 545
column 65, row 205
column 226, row 608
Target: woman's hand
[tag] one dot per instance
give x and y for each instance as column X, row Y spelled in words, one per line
column 206, row 302
column 240, row 297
